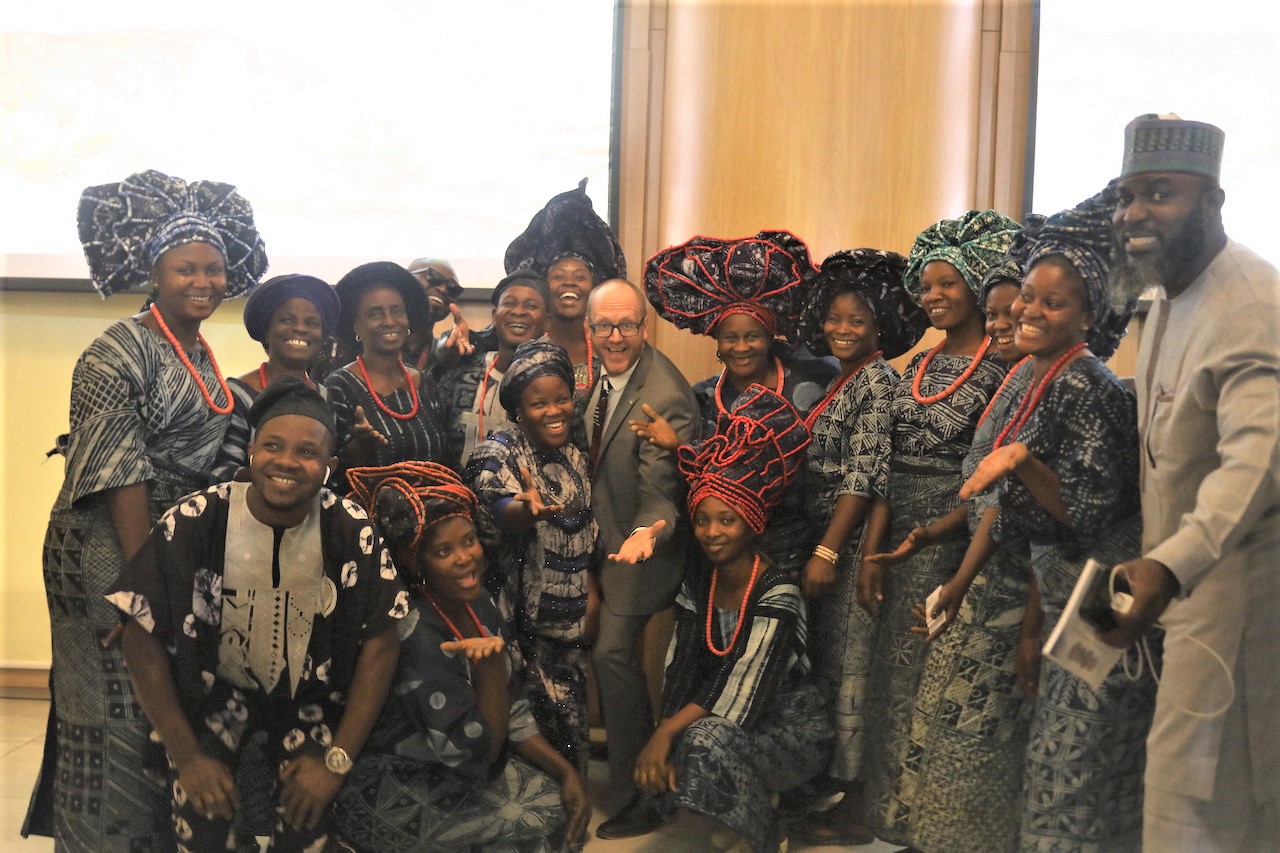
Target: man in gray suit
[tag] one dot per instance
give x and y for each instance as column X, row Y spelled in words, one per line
column 637, row 497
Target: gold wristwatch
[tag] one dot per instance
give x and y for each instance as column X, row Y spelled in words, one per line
column 337, row 760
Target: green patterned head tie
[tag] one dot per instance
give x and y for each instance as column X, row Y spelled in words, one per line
column 972, row 244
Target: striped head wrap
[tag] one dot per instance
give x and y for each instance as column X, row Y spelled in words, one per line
column 1084, row 237
column 532, row 360
column 972, row 244
column 698, row 283
column 753, row 456
column 125, row 227
column 874, row 275
column 407, row 499
column 567, row 227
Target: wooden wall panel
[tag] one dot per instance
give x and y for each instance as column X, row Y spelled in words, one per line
column 849, row 122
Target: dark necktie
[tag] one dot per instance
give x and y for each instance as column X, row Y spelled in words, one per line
column 597, row 421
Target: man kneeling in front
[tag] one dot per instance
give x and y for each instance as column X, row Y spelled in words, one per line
column 263, row 606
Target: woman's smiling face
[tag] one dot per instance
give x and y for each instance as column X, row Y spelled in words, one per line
column 945, row 297
column 451, row 560
column 850, row 329
column 546, row 411
column 190, row 281
column 295, row 332
column 742, row 343
column 721, row 532
column 381, row 322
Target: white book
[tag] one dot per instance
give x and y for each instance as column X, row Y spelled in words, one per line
column 1075, row 644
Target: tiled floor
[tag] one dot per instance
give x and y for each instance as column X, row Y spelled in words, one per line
column 22, row 724
column 21, row 744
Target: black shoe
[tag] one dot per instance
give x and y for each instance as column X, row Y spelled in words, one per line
column 639, row 816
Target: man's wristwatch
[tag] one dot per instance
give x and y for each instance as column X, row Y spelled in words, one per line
column 337, row 760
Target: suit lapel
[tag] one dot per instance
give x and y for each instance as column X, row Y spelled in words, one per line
column 630, row 395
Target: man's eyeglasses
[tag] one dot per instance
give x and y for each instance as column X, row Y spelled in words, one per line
column 605, row 330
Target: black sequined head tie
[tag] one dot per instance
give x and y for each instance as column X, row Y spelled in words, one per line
column 568, row 227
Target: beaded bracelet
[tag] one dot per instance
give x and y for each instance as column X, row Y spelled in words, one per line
column 825, row 553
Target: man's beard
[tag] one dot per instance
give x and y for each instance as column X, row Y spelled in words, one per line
column 1133, row 276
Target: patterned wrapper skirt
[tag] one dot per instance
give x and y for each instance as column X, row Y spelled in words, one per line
column 731, row 774
column 396, row 805
column 96, row 791
column 918, row 494
column 971, row 723
column 840, row 640
column 1088, row 750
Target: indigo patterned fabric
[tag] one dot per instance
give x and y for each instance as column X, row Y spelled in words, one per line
column 539, row 576
column 849, row 455
column 136, row 417
column 875, row 276
column 567, row 227
column 1083, row 781
column 423, row 437
column 424, row 780
column 972, row 243
column 768, row 727
column 1082, row 235
column 173, row 588
column 698, row 283
column 943, row 429
column 786, row 534
column 929, row 443
column 971, row 724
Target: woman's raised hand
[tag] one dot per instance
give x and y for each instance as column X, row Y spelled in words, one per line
column 532, row 499
column 657, row 430
column 997, row 465
column 363, row 433
column 909, row 547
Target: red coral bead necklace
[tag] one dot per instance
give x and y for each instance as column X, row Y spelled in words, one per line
column 954, row 386
column 1031, row 398
column 262, row 377
column 742, row 609
column 826, row 401
column 991, row 404
column 449, row 623
column 390, row 412
column 191, row 368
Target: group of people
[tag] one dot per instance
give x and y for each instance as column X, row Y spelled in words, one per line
column 356, row 597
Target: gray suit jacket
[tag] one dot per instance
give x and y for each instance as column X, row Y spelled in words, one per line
column 635, row 484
